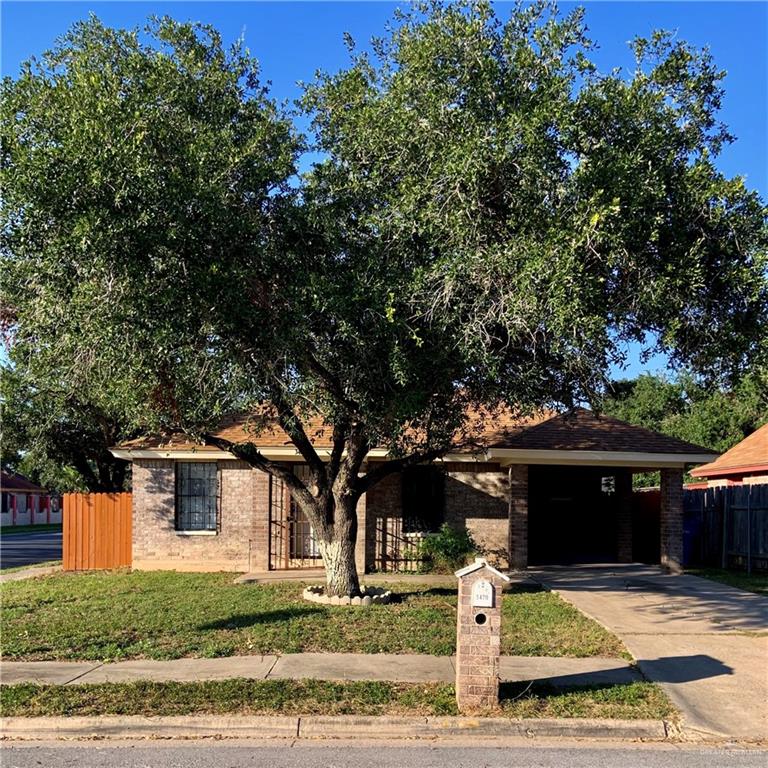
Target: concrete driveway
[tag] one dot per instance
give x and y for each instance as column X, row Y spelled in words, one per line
column 705, row 643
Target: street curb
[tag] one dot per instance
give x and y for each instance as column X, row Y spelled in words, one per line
column 323, row 727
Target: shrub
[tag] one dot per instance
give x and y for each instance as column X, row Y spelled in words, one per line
column 448, row 549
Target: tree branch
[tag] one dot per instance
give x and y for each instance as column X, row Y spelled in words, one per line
column 250, row 454
column 386, row 468
column 332, row 384
column 294, row 428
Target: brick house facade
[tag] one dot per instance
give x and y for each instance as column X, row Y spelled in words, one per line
column 563, row 477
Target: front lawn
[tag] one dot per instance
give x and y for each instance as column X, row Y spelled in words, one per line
column 167, row 615
column 304, row 697
column 754, row 582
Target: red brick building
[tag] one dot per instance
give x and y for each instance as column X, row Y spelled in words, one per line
column 552, row 489
column 24, row 503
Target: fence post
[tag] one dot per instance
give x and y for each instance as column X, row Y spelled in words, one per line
column 724, row 505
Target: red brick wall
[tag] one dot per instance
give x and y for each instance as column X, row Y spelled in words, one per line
column 672, row 519
column 518, row 516
column 240, row 544
column 383, row 521
column 476, row 498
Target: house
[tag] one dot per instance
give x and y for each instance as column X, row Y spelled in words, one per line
column 24, row 503
column 556, row 488
column 744, row 464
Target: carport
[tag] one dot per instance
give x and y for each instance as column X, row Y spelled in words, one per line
column 570, row 492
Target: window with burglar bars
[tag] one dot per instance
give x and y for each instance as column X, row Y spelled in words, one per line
column 197, row 491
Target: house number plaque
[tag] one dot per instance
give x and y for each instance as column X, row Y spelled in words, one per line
column 482, row 594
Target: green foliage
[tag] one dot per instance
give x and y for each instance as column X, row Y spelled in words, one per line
column 448, row 550
column 713, row 417
column 56, row 438
column 491, row 219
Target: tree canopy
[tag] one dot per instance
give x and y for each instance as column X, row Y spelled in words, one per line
column 490, row 220
column 716, row 418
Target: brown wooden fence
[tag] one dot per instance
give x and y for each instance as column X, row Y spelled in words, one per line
column 97, row 531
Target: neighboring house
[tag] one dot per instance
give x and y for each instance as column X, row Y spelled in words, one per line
column 744, row 464
column 24, row 503
column 554, row 489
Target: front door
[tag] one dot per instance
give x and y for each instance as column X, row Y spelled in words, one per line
column 292, row 540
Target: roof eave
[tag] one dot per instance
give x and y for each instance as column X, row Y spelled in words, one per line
column 712, row 471
column 638, row 459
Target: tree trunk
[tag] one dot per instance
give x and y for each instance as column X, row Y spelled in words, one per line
column 340, row 569
column 338, row 551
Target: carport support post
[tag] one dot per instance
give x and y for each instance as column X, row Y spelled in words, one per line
column 672, row 520
column 518, row 517
column 624, row 516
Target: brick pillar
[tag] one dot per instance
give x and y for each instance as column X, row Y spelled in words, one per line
column 672, row 520
column 624, row 516
column 478, row 638
column 258, row 557
column 518, row 516
column 360, row 544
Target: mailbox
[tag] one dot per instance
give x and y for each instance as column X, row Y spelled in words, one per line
column 478, row 636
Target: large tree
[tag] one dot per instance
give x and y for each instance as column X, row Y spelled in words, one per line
column 491, row 220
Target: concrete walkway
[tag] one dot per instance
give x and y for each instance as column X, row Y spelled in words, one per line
column 705, row 643
column 410, row 668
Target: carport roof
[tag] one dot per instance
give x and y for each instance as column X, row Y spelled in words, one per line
column 584, row 430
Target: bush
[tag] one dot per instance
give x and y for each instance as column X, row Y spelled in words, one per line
column 448, row 549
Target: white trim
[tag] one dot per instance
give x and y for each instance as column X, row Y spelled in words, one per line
column 196, row 533
column 277, row 453
column 480, row 562
column 503, row 456
column 508, row 456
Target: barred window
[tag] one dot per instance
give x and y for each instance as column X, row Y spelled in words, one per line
column 423, row 499
column 197, row 491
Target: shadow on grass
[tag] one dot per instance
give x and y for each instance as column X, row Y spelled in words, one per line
column 242, row 620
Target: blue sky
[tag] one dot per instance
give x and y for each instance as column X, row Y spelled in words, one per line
column 294, row 39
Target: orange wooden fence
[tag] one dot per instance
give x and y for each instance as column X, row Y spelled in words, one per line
column 97, row 531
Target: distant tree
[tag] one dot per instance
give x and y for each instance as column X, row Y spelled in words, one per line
column 490, row 221
column 684, row 407
column 58, row 438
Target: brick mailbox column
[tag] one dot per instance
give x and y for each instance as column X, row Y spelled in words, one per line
column 478, row 636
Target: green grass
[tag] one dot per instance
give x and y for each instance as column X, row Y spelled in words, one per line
column 167, row 615
column 9, row 530
column 303, row 697
column 755, row 582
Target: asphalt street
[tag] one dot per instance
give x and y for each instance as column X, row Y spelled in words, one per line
column 335, row 754
column 29, row 548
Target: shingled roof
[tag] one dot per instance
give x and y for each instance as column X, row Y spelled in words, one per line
column 12, row 481
column 751, row 454
column 579, row 430
column 584, row 430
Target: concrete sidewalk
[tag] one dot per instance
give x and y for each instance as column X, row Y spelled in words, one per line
column 410, row 668
column 705, row 643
